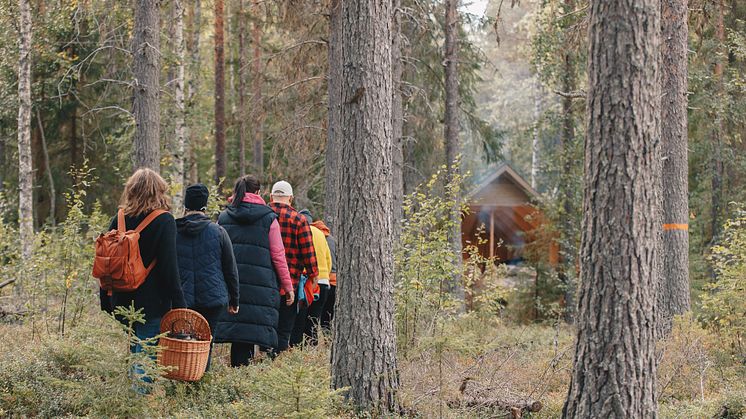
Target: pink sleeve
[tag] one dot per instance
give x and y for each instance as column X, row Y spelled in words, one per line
column 277, row 251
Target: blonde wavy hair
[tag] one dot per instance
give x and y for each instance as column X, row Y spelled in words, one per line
column 144, row 192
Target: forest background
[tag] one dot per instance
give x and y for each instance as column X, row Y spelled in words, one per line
column 522, row 85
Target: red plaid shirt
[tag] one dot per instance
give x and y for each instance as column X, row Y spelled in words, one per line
column 298, row 241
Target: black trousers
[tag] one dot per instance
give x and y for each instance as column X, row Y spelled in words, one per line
column 327, row 314
column 286, row 324
column 211, row 314
column 313, row 320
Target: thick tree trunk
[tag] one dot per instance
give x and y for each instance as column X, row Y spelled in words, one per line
column 147, row 69
column 256, row 87
column 333, row 130
column 25, row 165
column 219, row 94
column 48, row 169
column 397, row 168
column 241, row 89
column 364, row 351
column 451, row 131
column 673, row 294
column 193, row 87
column 179, row 149
column 718, row 166
column 614, row 371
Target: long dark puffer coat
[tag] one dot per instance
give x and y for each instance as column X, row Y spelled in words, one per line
column 259, row 301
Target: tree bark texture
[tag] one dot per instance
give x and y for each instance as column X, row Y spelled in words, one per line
column 193, row 86
column 178, row 156
column 451, row 131
column 334, row 86
column 397, row 110
column 256, row 87
column 614, row 371
column 25, row 164
column 219, row 94
column 364, row 351
column 241, row 89
column 147, row 70
column 673, row 295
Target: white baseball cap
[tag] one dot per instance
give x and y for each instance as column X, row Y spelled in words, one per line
column 282, row 188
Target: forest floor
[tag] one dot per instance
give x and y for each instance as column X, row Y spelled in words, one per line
column 84, row 373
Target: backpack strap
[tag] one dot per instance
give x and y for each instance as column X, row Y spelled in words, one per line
column 121, row 227
column 152, row 216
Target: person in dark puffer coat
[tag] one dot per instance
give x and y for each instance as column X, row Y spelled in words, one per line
column 262, row 271
column 207, row 267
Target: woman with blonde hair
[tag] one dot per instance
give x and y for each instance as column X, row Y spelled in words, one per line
column 144, row 205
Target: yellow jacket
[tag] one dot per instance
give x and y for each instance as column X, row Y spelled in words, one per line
column 323, row 254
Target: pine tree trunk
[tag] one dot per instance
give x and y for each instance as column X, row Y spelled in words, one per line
column 397, row 110
column 364, row 351
column 48, row 169
column 614, row 369
column 333, row 130
column 256, row 86
column 717, row 163
column 25, row 165
column 567, row 146
column 673, row 294
column 179, row 151
column 453, row 145
column 219, row 95
column 241, row 89
column 147, row 69
column 193, row 86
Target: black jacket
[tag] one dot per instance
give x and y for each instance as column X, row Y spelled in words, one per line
column 161, row 290
column 256, row 323
column 207, row 268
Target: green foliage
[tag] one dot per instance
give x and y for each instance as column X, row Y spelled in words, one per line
column 424, row 258
column 724, row 303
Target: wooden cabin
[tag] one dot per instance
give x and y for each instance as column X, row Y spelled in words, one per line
column 501, row 211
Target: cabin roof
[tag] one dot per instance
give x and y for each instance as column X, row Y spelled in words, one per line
column 503, row 170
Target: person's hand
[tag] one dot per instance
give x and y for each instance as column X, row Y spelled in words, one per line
column 289, row 298
column 233, row 310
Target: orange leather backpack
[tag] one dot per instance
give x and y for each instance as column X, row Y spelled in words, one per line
column 118, row 264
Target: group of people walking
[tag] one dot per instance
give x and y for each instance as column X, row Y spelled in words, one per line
column 264, row 276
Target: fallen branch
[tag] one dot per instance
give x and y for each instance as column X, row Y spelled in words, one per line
column 572, row 95
column 474, row 396
column 7, row 282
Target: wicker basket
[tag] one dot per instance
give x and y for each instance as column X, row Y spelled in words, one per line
column 188, row 358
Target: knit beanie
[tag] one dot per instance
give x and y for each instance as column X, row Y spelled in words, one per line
column 195, row 198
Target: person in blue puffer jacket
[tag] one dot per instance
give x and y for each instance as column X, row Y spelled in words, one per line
column 207, row 266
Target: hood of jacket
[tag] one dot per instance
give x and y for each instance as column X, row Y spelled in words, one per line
column 252, row 208
column 192, row 224
column 323, row 227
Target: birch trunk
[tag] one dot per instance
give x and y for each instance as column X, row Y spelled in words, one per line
column 179, row 150
column 364, row 351
column 146, row 69
column 673, row 294
column 614, row 369
column 25, row 165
